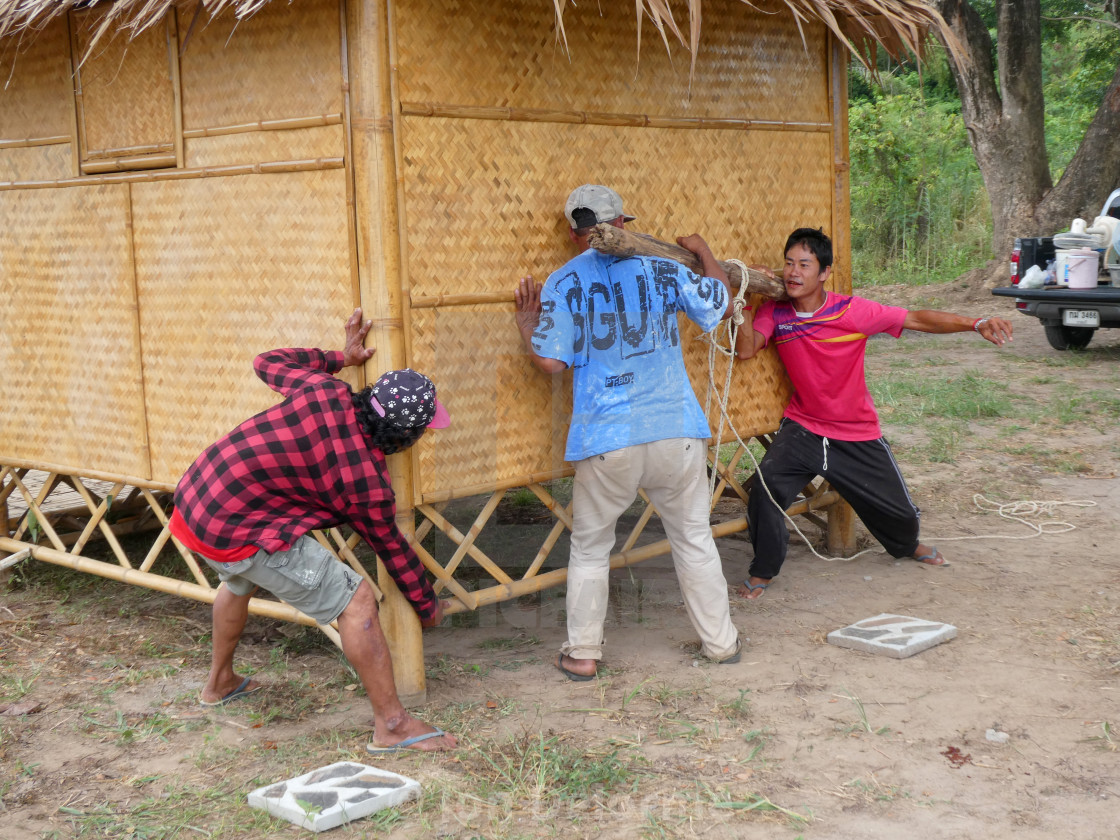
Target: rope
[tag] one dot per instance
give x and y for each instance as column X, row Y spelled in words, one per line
column 1021, row 511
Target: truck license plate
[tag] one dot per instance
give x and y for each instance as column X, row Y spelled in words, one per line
column 1081, row 318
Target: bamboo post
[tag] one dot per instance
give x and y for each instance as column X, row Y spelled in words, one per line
column 841, row 279
column 841, row 540
column 608, row 239
column 366, row 38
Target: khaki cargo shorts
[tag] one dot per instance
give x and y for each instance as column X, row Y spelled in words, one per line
column 306, row 576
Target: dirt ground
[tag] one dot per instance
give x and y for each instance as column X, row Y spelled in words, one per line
column 801, row 739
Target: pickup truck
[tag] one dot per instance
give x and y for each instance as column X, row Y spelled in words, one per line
column 1070, row 317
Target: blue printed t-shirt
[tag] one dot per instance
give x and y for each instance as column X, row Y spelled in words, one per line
column 614, row 321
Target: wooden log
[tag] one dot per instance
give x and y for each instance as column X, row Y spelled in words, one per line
column 608, row 239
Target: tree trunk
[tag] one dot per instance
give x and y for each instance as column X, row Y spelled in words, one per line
column 1093, row 172
column 1006, row 128
column 1004, row 122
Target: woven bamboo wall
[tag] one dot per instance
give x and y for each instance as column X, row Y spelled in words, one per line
column 69, row 348
column 132, row 311
column 127, row 94
column 226, row 268
column 35, row 94
column 35, row 163
column 502, row 126
column 326, row 141
column 507, row 54
column 284, row 61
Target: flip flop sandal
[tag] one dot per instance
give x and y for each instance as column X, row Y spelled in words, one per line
column 242, row 690
column 572, row 675
column 753, row 587
column 736, row 657
column 934, row 558
column 373, row 749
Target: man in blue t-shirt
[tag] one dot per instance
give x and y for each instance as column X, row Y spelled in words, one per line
column 635, row 420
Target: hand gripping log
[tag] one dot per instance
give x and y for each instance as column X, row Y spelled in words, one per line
column 618, row 242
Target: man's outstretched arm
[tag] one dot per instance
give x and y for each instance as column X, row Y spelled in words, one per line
column 995, row 330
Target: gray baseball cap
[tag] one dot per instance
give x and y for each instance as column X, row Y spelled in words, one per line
column 591, row 204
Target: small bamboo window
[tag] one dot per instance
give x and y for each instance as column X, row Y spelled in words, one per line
column 127, row 95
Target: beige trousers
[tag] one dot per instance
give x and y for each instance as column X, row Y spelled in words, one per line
column 672, row 474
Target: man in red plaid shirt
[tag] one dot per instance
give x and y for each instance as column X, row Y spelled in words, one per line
column 314, row 461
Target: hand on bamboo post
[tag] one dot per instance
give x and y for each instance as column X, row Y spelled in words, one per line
column 355, row 352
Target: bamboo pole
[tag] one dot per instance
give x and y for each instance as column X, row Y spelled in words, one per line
column 480, row 112
column 77, row 116
column 128, row 164
column 841, row 166
column 186, row 174
column 619, row 242
column 433, row 301
column 287, row 124
column 35, row 141
column 171, row 34
column 96, row 475
column 489, row 487
column 351, row 187
column 380, row 240
column 130, row 151
column 184, row 589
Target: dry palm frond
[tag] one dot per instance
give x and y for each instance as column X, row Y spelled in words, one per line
column 898, row 26
column 17, row 16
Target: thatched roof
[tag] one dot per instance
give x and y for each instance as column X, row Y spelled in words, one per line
column 899, row 26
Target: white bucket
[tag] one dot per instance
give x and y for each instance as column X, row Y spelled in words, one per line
column 1077, row 269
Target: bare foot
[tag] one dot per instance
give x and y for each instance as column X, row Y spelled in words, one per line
column 753, row 587
column 406, row 727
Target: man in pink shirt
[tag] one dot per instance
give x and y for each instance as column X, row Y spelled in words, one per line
column 830, row 427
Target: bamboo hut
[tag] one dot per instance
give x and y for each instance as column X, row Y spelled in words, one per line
column 186, row 184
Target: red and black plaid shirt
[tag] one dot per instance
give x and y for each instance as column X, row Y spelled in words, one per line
column 302, row 465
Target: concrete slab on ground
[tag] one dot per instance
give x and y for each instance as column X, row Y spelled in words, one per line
column 338, row 793
column 896, row 636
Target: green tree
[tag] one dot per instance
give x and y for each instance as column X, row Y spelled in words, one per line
column 1001, row 80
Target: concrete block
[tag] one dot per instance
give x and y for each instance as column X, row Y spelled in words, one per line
column 896, row 636
column 328, row 797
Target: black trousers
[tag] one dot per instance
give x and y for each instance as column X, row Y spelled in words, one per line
column 863, row 472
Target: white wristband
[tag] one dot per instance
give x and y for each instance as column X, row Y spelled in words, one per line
column 976, row 324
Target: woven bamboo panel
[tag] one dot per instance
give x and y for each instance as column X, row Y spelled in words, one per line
column 69, row 345
column 228, row 268
column 36, row 163
column 36, row 98
column 507, row 421
column 484, row 205
column 283, row 61
column 470, row 52
column 484, row 199
column 263, row 146
column 127, row 97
